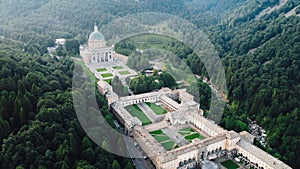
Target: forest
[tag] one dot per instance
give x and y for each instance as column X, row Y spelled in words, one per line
column 145, row 84
column 260, row 56
column 38, row 124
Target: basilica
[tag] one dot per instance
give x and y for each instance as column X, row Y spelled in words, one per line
column 96, row 50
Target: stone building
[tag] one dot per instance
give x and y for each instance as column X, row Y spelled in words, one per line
column 216, row 141
column 96, row 50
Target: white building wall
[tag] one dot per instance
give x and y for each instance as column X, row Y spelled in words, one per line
column 253, row 158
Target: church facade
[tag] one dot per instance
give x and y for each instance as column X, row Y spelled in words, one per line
column 96, row 50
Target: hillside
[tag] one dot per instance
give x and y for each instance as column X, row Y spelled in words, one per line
column 260, row 52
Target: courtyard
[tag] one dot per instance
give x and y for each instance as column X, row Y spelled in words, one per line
column 229, row 164
column 135, row 111
column 164, row 140
column 107, row 70
column 156, row 109
column 190, row 134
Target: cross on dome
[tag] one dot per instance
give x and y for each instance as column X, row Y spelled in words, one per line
column 95, row 28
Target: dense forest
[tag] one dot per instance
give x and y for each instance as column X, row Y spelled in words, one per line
column 145, row 84
column 260, row 56
column 38, row 124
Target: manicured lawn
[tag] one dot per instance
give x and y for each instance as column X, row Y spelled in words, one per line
column 156, row 132
column 229, row 164
column 105, row 75
column 135, row 111
column 186, row 131
column 124, row 72
column 164, row 140
column 156, row 109
column 193, row 136
column 103, row 69
column 190, row 134
column 117, row 67
column 161, row 138
column 168, row 145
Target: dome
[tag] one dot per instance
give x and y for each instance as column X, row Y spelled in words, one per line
column 96, row 35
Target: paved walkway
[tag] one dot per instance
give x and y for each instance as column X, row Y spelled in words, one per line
column 148, row 112
column 176, row 137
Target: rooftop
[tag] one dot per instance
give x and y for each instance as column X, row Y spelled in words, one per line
column 96, row 35
column 267, row 158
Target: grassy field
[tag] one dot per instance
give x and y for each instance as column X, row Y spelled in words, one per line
column 105, row 75
column 124, row 72
column 135, row 111
column 148, row 41
column 117, row 67
column 190, row 134
column 180, row 74
column 103, row 69
column 164, row 140
column 156, row 109
column 229, row 164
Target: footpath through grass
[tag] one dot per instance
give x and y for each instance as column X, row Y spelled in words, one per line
column 135, row 111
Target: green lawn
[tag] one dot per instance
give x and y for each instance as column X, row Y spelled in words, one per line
column 101, row 69
column 161, row 138
column 108, row 81
column 124, row 72
column 156, row 132
column 193, row 136
column 186, row 131
column 190, row 134
column 135, row 111
column 156, row 109
column 105, row 75
column 168, row 145
column 117, row 67
column 229, row 164
column 164, row 140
